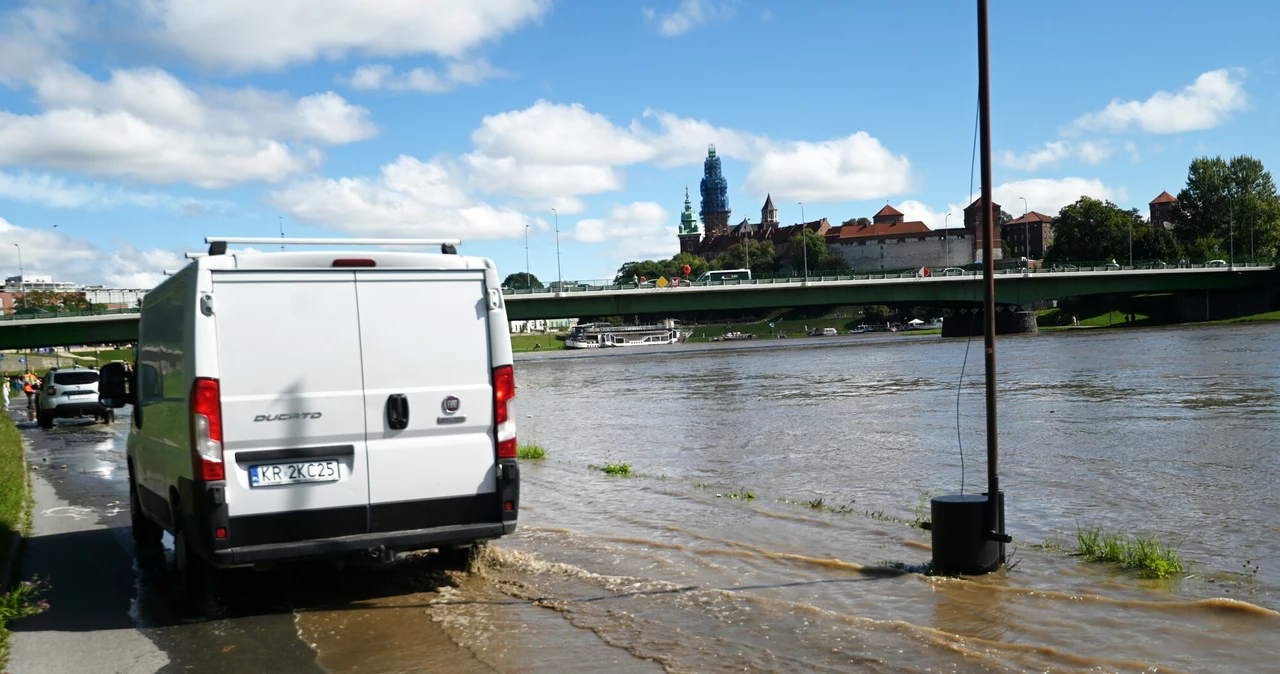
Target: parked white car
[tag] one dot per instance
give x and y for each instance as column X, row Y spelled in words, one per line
column 314, row 404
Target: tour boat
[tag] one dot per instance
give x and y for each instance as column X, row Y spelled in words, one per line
column 599, row 335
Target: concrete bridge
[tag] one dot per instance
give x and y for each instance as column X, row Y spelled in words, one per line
column 1014, row 287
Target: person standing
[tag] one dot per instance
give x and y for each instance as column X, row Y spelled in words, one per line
column 29, row 385
column 6, row 392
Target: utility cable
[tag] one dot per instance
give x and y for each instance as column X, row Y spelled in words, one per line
column 973, row 156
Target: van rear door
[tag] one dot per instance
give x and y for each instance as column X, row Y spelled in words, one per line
column 429, row 398
column 292, row 404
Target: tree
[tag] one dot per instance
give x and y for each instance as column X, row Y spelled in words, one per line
column 876, row 314
column 521, row 280
column 697, row 265
column 1090, row 230
column 816, row 246
column 760, row 255
column 1223, row 197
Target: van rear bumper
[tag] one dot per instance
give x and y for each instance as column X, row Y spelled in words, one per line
column 335, row 547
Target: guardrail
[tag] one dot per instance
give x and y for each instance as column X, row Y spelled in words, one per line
column 598, row 285
column 48, row 315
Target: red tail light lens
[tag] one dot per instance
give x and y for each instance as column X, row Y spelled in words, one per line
column 206, row 430
column 51, row 391
column 504, row 389
column 355, row 262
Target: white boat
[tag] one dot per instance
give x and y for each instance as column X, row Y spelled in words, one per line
column 599, row 335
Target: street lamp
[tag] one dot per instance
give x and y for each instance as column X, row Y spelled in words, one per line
column 946, row 236
column 804, row 241
column 280, row 218
column 559, row 277
column 527, row 276
column 1026, row 239
column 22, row 282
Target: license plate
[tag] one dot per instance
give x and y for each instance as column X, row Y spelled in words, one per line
column 274, row 474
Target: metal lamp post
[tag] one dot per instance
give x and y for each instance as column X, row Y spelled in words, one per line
column 804, row 241
column 1026, row 238
column 559, row 277
column 946, row 236
column 22, row 282
column 527, row 282
column 280, row 218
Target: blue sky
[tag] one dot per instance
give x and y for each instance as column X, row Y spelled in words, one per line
column 131, row 129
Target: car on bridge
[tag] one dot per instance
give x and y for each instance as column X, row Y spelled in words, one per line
column 70, row 392
column 1216, row 263
column 951, row 271
column 1111, row 266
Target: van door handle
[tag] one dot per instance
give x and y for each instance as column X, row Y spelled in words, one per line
column 398, row 411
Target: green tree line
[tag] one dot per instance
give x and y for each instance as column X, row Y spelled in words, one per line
column 1228, row 208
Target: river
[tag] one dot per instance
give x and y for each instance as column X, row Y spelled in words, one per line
column 1160, row 431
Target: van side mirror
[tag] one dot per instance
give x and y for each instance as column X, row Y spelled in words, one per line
column 115, row 386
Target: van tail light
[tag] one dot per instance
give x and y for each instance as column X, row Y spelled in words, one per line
column 206, row 430
column 355, row 262
column 504, row 389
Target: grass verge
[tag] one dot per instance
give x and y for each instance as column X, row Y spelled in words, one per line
column 531, row 452
column 15, row 515
column 1151, row 557
column 544, row 342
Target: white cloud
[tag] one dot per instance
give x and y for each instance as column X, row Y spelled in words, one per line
column 1203, row 104
column 424, row 80
column 145, row 124
column 33, row 37
column 73, row 259
column 56, row 192
column 409, row 198
column 636, row 231
column 913, row 210
column 684, row 141
column 1046, row 195
column 551, row 133
column 250, row 34
column 853, row 168
column 506, row 175
column 689, row 15
column 1053, row 153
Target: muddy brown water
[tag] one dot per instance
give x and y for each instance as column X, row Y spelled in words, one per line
column 1169, row 432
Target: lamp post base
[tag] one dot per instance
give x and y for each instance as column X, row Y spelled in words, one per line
column 963, row 539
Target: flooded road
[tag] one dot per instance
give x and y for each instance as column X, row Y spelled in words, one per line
column 711, row 556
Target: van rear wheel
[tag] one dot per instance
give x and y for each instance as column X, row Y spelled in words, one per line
column 146, row 534
column 193, row 571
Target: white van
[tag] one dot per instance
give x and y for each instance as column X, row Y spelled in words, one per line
column 312, row 404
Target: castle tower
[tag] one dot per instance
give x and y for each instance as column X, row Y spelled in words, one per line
column 1162, row 210
column 688, row 233
column 768, row 213
column 715, row 195
column 973, row 223
column 888, row 216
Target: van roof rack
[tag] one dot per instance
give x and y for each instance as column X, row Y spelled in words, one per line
column 218, row 244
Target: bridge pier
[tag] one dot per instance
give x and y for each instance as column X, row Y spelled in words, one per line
column 970, row 324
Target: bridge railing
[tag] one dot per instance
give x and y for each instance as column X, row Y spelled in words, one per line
column 598, row 285
column 21, row 315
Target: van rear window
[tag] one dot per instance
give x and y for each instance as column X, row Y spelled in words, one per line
column 75, row 378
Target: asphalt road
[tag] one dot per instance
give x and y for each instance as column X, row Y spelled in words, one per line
column 113, row 611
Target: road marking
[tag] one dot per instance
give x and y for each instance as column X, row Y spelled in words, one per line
column 74, row 512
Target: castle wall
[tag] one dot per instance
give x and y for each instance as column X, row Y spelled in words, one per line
column 932, row 252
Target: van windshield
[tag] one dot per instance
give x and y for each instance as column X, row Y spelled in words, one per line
column 75, row 378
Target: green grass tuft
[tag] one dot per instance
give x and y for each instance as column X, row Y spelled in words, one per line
column 1151, row 556
column 614, row 469
column 531, row 452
